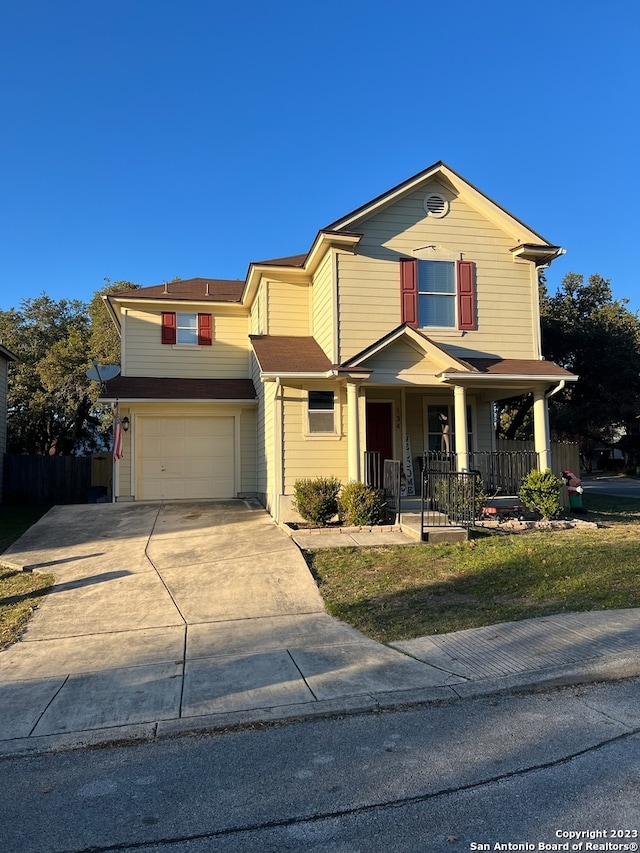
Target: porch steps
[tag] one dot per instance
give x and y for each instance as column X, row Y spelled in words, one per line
column 411, row 521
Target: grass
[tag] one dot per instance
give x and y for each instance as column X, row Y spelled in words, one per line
column 397, row 592
column 20, row 592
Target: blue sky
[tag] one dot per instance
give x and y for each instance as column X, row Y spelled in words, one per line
column 145, row 140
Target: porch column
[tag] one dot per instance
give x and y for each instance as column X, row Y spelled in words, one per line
column 460, row 423
column 542, row 442
column 353, row 433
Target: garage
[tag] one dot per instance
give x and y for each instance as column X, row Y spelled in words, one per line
column 185, row 457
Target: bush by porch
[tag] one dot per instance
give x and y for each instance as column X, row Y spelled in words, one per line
column 396, row 593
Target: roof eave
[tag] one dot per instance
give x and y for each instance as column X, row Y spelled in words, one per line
column 274, row 375
column 240, row 401
column 506, row 377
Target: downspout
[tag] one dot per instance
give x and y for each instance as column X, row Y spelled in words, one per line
column 559, row 387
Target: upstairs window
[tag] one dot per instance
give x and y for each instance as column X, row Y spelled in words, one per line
column 438, row 294
column 186, row 328
column 321, row 412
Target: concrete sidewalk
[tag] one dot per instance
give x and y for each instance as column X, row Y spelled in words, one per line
column 188, row 616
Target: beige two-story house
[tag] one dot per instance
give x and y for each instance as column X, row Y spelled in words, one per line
column 394, row 334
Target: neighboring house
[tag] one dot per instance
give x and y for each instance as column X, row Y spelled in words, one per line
column 5, row 357
column 406, row 319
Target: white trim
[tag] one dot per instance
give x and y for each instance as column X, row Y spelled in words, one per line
column 335, row 290
column 510, row 377
column 123, row 340
column 173, row 401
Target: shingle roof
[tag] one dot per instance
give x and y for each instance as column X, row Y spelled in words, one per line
column 159, row 388
column 289, row 354
column 200, row 289
column 516, row 367
column 291, row 261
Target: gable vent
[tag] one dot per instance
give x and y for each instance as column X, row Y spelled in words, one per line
column 436, row 205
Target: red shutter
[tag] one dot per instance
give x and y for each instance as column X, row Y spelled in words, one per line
column 168, row 327
column 466, row 295
column 409, row 291
column 205, row 330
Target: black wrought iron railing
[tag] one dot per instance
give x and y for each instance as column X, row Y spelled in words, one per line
column 449, row 498
column 501, row 472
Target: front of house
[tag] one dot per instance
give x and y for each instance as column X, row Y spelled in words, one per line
column 393, row 335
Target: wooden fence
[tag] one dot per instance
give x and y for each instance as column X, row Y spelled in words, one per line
column 55, row 479
column 564, row 456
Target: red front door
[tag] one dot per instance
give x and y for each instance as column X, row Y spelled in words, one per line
column 380, row 429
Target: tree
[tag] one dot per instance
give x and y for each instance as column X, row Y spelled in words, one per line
column 592, row 334
column 48, row 399
column 52, row 406
column 588, row 332
column 105, row 340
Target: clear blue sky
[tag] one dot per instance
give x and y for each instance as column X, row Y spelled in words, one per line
column 147, row 139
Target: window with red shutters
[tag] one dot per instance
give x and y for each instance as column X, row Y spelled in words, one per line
column 438, row 294
column 187, row 328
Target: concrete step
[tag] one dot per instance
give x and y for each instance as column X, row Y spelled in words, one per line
column 411, row 523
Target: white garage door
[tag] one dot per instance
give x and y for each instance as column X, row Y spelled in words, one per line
column 189, row 457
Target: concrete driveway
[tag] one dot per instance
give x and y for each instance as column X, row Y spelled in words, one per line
column 177, row 611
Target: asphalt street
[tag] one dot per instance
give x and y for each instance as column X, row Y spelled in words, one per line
column 459, row 776
column 625, row 487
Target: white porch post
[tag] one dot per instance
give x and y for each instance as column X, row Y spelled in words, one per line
column 460, row 416
column 542, row 442
column 353, row 432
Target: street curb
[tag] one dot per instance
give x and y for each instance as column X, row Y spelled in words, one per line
column 616, row 667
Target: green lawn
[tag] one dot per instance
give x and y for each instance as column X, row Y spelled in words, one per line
column 395, row 593
column 20, row 592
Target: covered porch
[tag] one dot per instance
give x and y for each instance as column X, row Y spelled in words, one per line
column 411, row 399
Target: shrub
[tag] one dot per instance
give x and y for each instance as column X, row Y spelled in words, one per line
column 459, row 497
column 540, row 492
column 316, row 499
column 361, row 504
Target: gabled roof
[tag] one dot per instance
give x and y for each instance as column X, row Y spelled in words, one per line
column 472, row 194
column 191, row 289
column 160, row 388
column 418, row 340
column 287, row 355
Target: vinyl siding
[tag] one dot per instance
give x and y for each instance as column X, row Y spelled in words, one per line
column 264, row 435
column 288, row 308
column 505, row 292
column 403, row 361
column 124, row 468
column 322, row 300
column 311, row 456
column 226, row 358
column 248, row 476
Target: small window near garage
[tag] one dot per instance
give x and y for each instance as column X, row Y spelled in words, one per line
column 187, row 328
column 321, row 411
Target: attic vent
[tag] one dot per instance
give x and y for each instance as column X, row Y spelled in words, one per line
column 436, row 205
